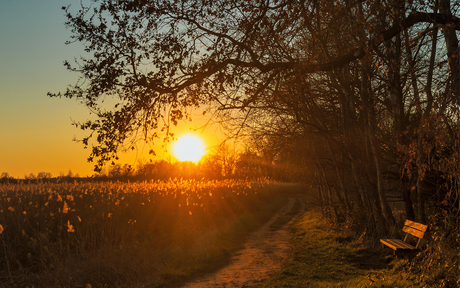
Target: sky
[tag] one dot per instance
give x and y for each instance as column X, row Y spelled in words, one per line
column 36, row 134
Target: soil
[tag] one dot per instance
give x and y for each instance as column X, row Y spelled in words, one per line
column 262, row 256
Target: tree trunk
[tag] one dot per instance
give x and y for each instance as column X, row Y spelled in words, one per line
column 409, row 207
column 372, row 149
column 453, row 56
column 328, row 194
column 421, row 199
column 380, row 188
column 421, row 182
column 321, row 194
column 407, row 192
column 371, row 216
column 343, row 198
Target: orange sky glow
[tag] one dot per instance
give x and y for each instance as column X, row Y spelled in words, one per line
column 35, row 130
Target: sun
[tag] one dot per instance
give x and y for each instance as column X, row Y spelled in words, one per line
column 189, row 147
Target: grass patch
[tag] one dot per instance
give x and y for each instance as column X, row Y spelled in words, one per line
column 326, row 258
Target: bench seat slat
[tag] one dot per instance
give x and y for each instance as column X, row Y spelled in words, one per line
column 396, row 244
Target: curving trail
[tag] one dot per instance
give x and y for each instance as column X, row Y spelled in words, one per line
column 261, row 257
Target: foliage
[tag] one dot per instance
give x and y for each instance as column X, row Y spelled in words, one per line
column 438, row 265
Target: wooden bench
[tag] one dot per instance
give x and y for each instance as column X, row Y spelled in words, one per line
column 411, row 228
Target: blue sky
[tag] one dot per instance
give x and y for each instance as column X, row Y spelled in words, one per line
column 35, row 130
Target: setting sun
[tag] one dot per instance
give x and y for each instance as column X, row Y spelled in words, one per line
column 189, row 148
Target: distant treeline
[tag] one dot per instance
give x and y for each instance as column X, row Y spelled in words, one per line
column 213, row 167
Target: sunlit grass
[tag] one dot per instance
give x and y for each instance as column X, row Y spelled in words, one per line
column 115, row 234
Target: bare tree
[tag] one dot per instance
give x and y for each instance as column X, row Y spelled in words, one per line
column 347, row 74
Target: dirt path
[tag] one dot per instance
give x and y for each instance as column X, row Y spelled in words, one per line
column 262, row 256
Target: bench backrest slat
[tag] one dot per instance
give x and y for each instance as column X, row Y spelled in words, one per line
column 416, row 225
column 414, row 232
column 416, row 229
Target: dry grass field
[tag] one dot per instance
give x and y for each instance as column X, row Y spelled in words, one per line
column 113, row 234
